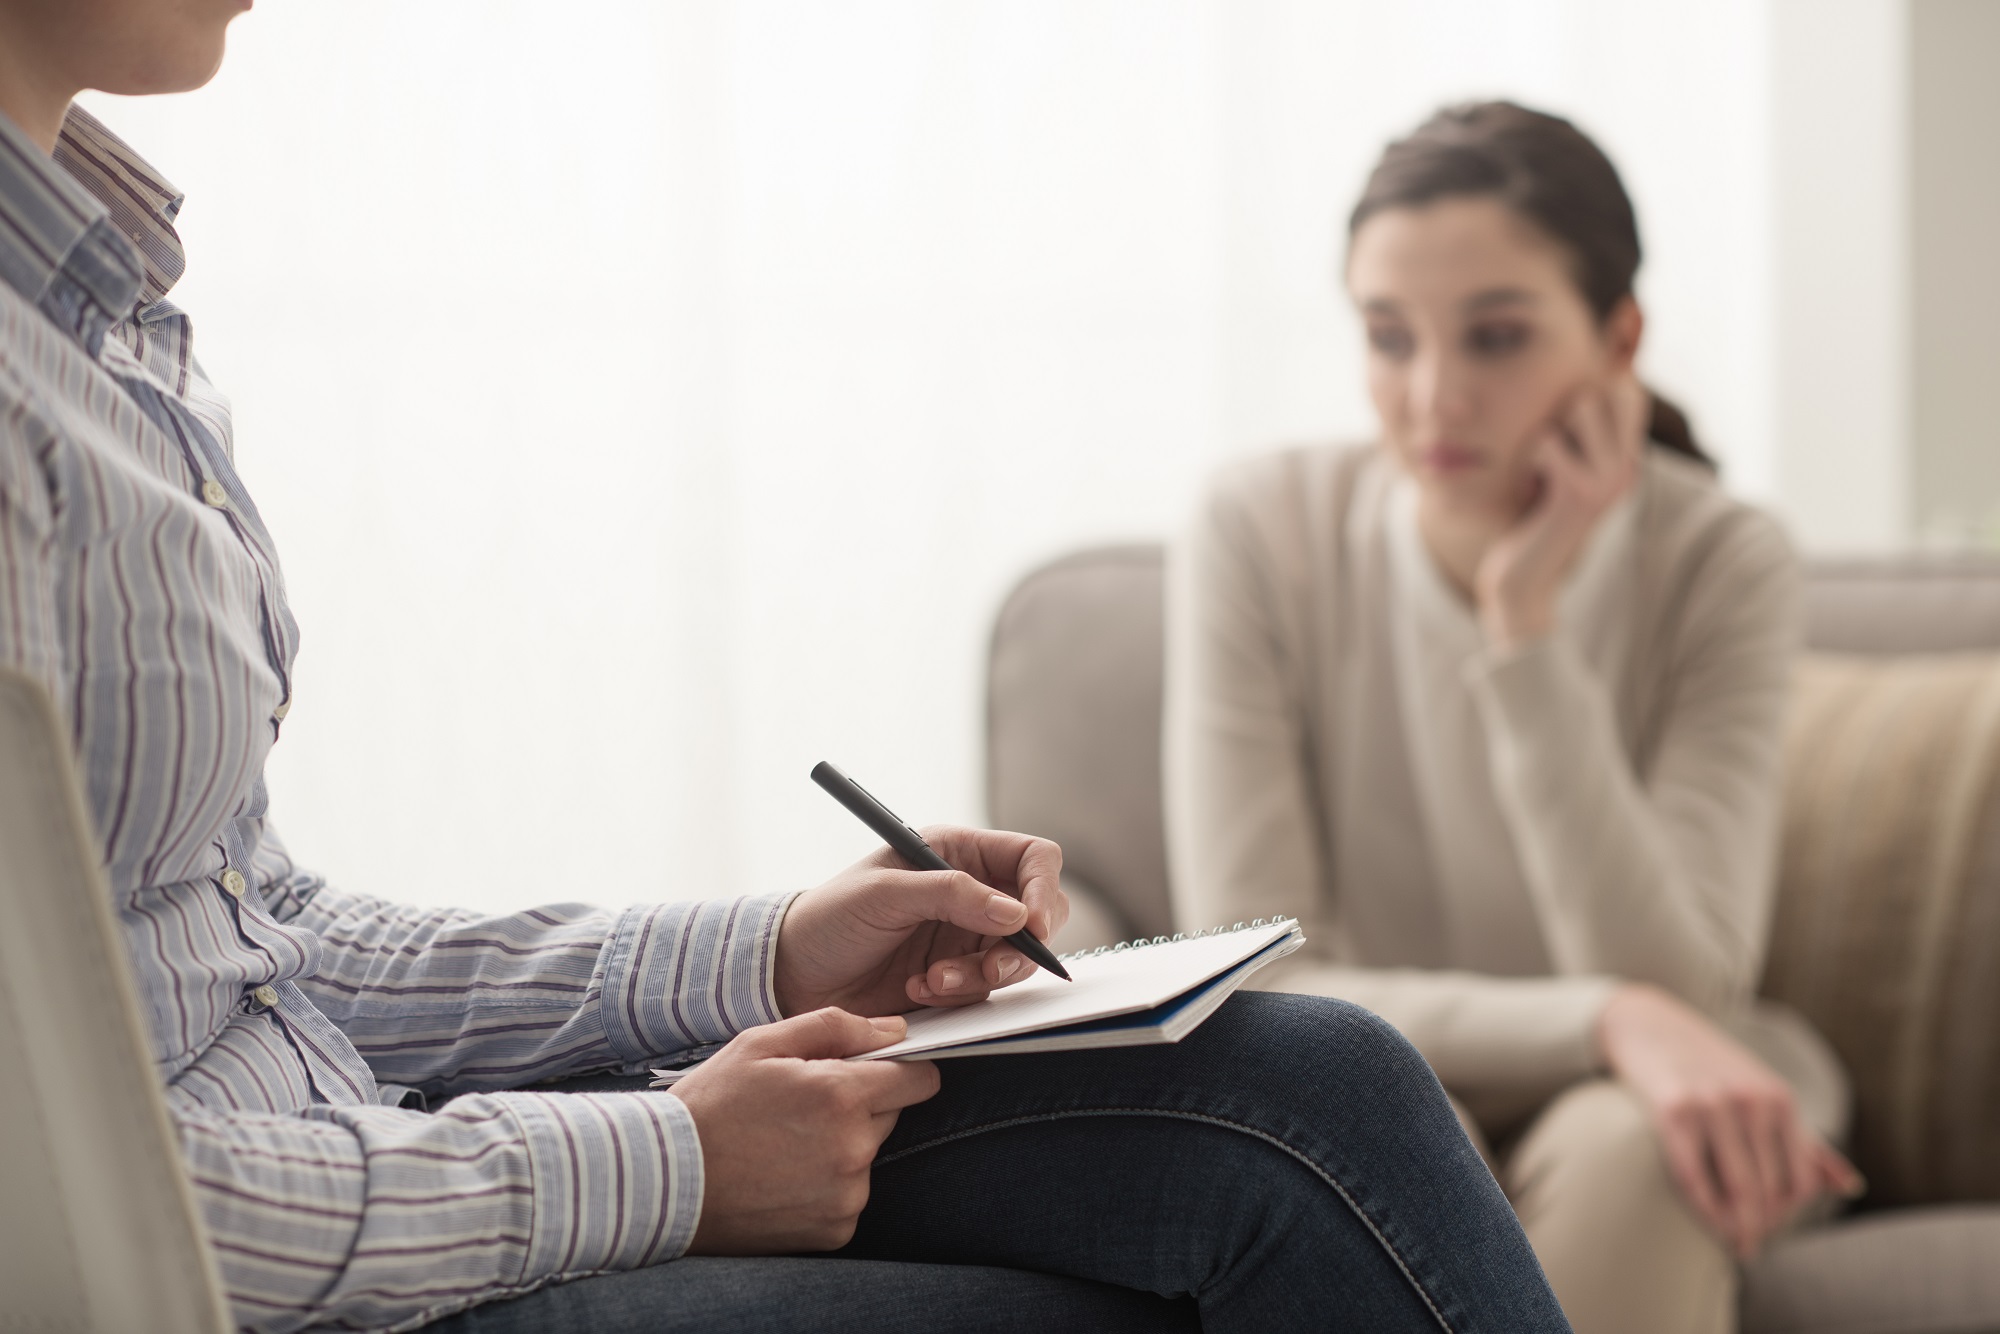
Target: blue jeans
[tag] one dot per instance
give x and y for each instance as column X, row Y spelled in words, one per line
column 1291, row 1165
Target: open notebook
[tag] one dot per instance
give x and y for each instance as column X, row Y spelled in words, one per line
column 1145, row 991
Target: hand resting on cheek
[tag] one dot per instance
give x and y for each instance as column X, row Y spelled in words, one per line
column 1583, row 464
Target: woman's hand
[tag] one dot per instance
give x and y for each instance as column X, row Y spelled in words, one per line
column 1587, row 459
column 882, row 939
column 789, row 1130
column 1734, row 1140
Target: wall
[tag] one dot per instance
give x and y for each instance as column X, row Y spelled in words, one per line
column 652, row 400
column 1954, row 249
column 1839, row 265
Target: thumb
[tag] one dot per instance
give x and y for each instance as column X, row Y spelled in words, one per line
column 825, row 1035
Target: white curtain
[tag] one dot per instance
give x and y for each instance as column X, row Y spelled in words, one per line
column 651, row 400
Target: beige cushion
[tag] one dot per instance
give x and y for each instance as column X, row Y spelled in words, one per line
column 98, row 1229
column 1888, row 909
column 1915, row 1271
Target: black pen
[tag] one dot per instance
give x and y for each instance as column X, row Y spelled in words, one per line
column 910, row 846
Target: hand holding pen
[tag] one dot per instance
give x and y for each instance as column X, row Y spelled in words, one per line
column 788, row 1127
column 882, row 938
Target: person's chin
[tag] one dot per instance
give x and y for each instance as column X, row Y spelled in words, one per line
column 1465, row 505
column 180, row 68
column 1470, row 490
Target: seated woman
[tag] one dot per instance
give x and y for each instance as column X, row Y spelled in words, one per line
column 1494, row 706
column 1291, row 1166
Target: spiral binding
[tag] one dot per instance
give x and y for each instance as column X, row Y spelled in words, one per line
column 1141, row 942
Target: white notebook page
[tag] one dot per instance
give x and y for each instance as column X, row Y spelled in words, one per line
column 1120, row 982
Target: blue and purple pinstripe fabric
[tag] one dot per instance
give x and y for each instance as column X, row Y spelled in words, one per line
column 287, row 1017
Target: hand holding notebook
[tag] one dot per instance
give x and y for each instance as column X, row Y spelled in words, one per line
column 1130, row 995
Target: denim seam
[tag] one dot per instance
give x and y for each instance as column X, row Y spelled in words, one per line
column 1224, row 1122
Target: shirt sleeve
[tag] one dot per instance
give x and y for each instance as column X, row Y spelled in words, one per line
column 1239, row 799
column 30, row 640
column 368, row 1217
column 1503, row 1045
column 1665, row 874
column 450, row 1000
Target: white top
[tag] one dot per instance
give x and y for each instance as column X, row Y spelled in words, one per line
column 1479, row 842
column 1487, row 918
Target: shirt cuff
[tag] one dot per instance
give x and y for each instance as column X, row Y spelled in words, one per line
column 1576, row 1004
column 681, row 975
column 618, row 1180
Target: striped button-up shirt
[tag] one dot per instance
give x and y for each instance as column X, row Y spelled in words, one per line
column 288, row 1018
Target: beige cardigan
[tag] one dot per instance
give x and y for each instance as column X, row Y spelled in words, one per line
column 1642, row 807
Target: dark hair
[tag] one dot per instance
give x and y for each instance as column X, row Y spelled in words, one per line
column 1550, row 173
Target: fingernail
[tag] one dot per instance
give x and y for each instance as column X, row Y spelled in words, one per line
column 1007, row 968
column 887, row 1023
column 924, row 991
column 1003, row 909
column 950, row 978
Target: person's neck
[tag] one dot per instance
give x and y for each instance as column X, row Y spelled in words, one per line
column 1457, row 542
column 32, row 95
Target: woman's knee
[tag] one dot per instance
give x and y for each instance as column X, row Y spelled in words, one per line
column 1290, row 1031
column 1594, row 1139
column 1620, row 1247
column 1320, row 1056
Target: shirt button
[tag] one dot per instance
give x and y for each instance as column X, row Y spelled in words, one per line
column 266, row 996
column 232, row 884
column 212, row 492
column 283, row 709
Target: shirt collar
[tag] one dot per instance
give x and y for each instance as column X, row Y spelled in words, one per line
column 86, row 235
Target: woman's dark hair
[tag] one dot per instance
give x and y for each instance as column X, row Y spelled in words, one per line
column 1550, row 173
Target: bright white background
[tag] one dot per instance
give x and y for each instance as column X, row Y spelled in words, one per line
column 651, row 400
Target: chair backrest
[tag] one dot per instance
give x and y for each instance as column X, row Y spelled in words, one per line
column 1903, row 604
column 1073, row 724
column 1073, row 693
column 98, row 1229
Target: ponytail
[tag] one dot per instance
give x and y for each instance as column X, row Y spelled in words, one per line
column 1667, row 426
